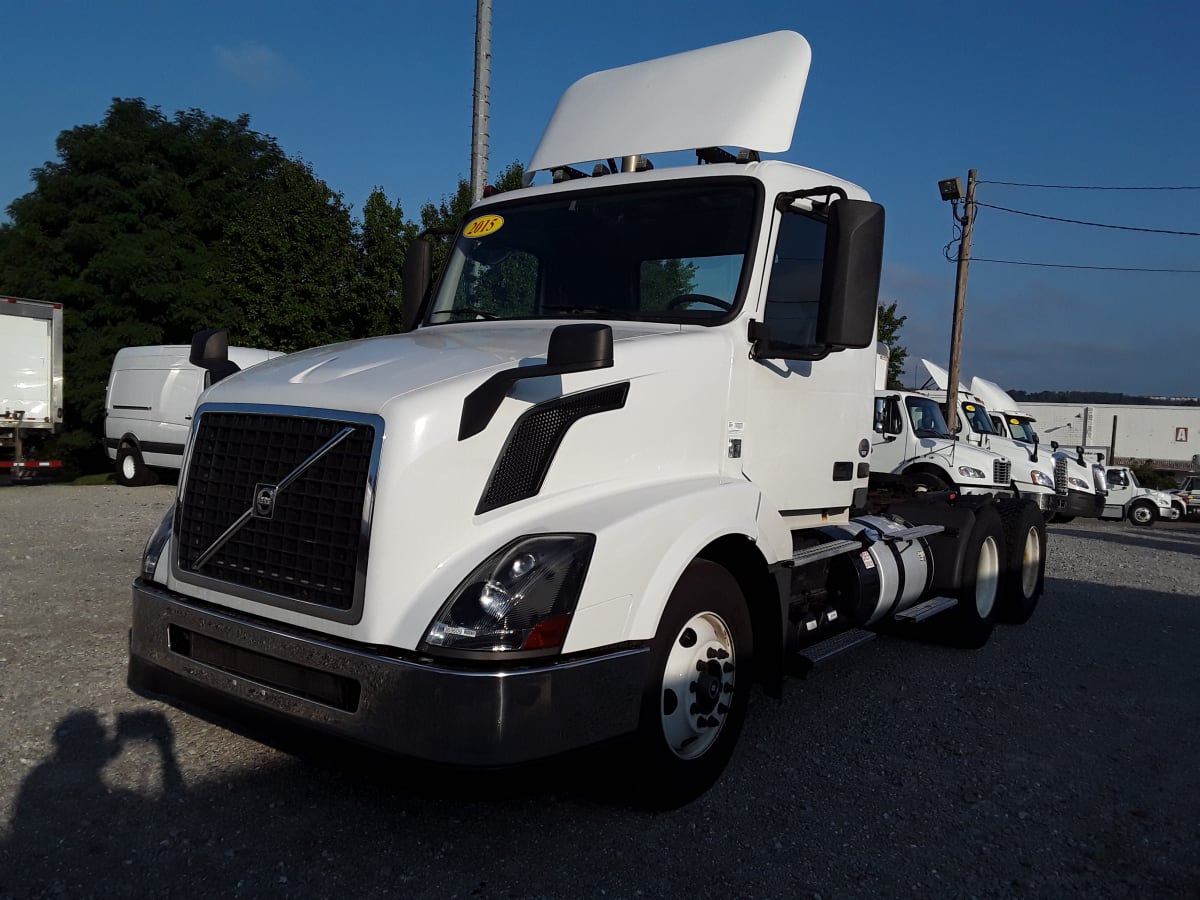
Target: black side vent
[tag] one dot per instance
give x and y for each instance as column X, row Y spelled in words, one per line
column 534, row 439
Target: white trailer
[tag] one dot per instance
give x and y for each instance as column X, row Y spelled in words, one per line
column 31, row 383
column 1165, row 436
column 614, row 472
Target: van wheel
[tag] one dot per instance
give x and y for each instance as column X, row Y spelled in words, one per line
column 1023, row 575
column 1142, row 513
column 970, row 623
column 699, row 685
column 132, row 470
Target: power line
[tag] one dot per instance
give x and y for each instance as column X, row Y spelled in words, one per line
column 1016, row 262
column 1021, row 212
column 1094, row 187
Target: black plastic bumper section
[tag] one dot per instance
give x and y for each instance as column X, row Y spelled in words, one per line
column 495, row 717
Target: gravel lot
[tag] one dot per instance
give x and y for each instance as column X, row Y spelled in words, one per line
column 1060, row 760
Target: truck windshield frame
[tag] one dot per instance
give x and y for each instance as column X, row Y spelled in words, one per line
column 977, row 416
column 676, row 252
column 1021, row 429
column 925, row 417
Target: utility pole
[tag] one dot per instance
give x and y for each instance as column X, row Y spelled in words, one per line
column 481, row 116
column 967, row 220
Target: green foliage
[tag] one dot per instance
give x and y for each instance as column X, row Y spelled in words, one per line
column 1148, row 477
column 148, row 228
column 382, row 246
column 664, row 280
column 889, row 332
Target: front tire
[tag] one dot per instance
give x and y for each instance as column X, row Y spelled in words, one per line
column 695, row 701
column 1023, row 575
column 1142, row 513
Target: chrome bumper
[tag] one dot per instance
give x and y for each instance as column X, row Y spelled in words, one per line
column 472, row 717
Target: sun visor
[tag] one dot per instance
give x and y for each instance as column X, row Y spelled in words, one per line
column 744, row 93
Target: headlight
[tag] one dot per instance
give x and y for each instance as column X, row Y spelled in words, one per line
column 1041, row 479
column 1078, row 483
column 969, row 472
column 520, row 599
column 154, row 546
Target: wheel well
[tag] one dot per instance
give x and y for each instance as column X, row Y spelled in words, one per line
column 929, row 469
column 129, row 440
column 742, row 558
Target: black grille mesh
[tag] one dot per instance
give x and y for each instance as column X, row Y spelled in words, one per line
column 534, row 439
column 309, row 549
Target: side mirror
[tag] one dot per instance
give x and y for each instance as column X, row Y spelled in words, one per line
column 1054, row 445
column 416, row 280
column 210, row 351
column 850, row 276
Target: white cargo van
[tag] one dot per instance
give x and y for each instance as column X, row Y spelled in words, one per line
column 151, row 394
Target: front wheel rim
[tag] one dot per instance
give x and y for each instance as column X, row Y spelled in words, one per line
column 1141, row 514
column 698, row 685
column 128, row 467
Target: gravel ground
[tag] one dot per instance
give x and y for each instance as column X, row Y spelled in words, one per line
column 1059, row 761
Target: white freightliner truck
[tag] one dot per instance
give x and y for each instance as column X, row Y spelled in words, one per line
column 31, row 384
column 614, row 473
column 1078, row 479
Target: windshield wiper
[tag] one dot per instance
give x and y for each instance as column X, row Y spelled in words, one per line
column 929, row 433
column 466, row 310
column 589, row 311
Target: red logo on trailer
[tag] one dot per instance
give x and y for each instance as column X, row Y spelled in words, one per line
column 1181, row 435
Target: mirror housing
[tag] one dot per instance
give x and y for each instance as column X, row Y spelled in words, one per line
column 416, row 280
column 850, row 276
column 210, row 351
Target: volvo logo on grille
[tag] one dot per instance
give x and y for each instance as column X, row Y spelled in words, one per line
column 264, row 501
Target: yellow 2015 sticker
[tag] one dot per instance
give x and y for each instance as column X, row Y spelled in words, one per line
column 968, row 407
column 1015, row 421
column 483, row 226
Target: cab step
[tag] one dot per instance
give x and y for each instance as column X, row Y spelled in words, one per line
column 926, row 610
column 822, row 652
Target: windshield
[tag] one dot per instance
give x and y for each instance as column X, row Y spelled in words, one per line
column 1021, row 429
column 977, row 418
column 926, row 417
column 665, row 255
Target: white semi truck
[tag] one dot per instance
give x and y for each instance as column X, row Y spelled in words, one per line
column 614, row 472
column 31, row 384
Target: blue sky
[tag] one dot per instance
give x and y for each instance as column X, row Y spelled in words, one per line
column 900, row 95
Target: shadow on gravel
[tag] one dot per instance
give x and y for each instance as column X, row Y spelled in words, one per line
column 1058, row 761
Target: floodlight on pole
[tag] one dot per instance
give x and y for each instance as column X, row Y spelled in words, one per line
column 951, row 190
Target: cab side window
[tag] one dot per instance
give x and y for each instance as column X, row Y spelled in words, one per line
column 794, row 291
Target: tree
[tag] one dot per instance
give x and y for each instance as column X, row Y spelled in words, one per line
column 889, row 330
column 382, row 247
column 148, row 228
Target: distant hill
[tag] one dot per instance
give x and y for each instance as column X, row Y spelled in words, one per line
column 1100, row 397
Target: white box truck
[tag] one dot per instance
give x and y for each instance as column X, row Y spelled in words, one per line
column 148, row 406
column 31, row 384
column 613, row 473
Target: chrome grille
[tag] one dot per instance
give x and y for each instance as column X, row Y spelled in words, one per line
column 1001, row 469
column 306, row 547
column 1061, row 485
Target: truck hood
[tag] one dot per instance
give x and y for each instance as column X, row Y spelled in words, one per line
column 364, row 376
